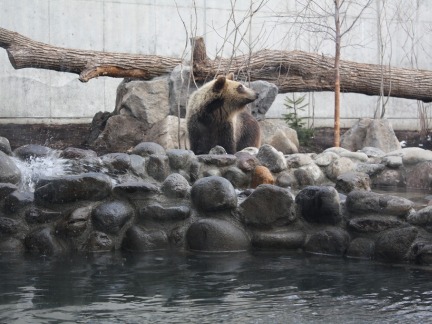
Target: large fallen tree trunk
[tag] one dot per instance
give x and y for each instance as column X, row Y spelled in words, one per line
column 291, row 71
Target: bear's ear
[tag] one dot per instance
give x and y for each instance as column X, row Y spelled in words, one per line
column 219, row 84
column 230, row 76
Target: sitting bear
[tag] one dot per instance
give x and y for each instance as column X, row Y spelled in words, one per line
column 217, row 115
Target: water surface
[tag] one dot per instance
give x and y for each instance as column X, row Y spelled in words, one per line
column 173, row 287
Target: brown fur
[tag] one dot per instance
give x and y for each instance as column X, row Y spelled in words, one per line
column 217, row 115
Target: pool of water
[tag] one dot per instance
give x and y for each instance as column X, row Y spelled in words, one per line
column 168, row 287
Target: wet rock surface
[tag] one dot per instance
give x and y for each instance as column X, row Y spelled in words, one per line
column 151, row 199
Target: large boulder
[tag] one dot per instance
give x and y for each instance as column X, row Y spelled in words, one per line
column 394, row 245
column 147, row 101
column 319, row 205
column 267, row 94
column 9, row 172
column 166, row 132
column 268, row 205
column 70, row 188
column 276, row 133
column 370, row 132
column 179, row 89
column 110, row 217
column 213, row 194
column 332, row 241
column 216, row 235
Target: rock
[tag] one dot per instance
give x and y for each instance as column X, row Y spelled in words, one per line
column 9, row 172
column 394, row 245
column 166, row 133
column 257, row 211
column 298, row 160
column 110, row 217
column 311, row 172
column 8, row 226
column 372, row 151
column 422, row 217
column 145, row 149
column 422, row 253
column 289, row 240
column 286, row 179
column 272, row 159
column 5, row 146
column 138, row 165
column 363, row 202
column 350, row 181
column 76, row 223
column 270, row 127
column 355, row 156
column 370, row 133
column 216, row 235
column 338, row 167
column 369, row 168
column 319, row 205
column 282, row 143
column 413, row 155
column 389, row 178
column 325, row 159
column 217, row 150
column 303, row 178
column 361, row 248
column 392, row 161
column 139, row 239
column 17, row 200
column 121, row 133
column 332, row 241
column 420, row 176
column 77, row 153
column 213, row 194
column 6, row 189
column 237, row 177
column 175, row 186
column 37, row 215
column 261, row 175
column 13, row 245
column 117, row 163
column 70, row 188
column 158, row 167
column 246, row 161
column 99, row 242
column 147, row 101
column 180, row 159
column 43, row 241
column 164, row 214
column 374, row 224
column 179, row 90
column 31, row 151
column 267, row 94
column 136, row 189
column 219, row 160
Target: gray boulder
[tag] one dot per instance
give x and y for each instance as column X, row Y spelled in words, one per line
column 146, row 101
column 332, row 241
column 139, row 239
column 319, row 205
column 271, row 158
column 287, row 239
column 5, row 145
column 370, row 133
column 175, row 186
column 43, row 241
column 268, row 205
column 179, row 89
column 361, row 247
column 350, row 181
column 216, row 235
column 110, row 217
column 9, row 172
column 267, row 94
column 213, row 194
column 394, row 245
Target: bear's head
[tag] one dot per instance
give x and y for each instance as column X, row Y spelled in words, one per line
column 233, row 93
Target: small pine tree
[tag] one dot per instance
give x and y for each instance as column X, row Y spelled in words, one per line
column 293, row 119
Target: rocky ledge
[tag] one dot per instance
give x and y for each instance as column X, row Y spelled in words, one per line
column 152, row 199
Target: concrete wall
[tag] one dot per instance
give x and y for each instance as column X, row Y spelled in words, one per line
column 157, row 27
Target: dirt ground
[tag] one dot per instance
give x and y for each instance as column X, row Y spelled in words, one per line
column 76, row 135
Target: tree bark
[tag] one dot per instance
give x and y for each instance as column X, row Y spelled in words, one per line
column 291, row 71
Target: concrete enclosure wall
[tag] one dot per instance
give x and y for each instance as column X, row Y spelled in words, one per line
column 159, row 27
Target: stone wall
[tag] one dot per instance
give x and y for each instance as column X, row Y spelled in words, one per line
column 152, row 199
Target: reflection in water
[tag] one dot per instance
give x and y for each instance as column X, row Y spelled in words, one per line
column 207, row 288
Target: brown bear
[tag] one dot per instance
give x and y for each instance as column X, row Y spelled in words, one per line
column 217, row 115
